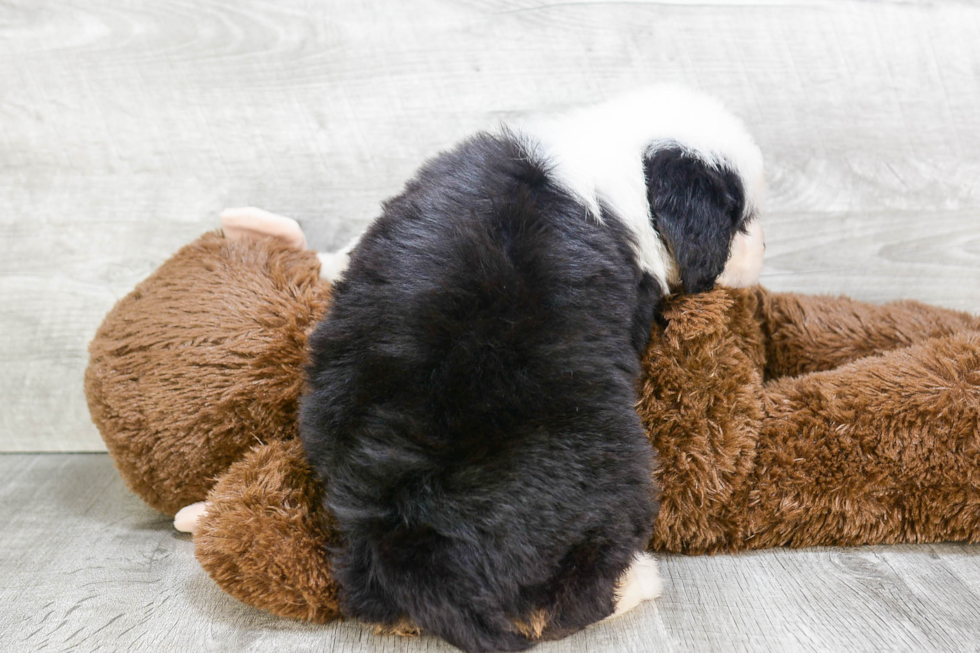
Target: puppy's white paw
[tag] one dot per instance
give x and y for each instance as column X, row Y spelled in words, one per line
column 333, row 266
column 187, row 518
column 640, row 583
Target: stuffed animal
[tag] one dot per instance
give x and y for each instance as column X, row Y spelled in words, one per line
column 779, row 419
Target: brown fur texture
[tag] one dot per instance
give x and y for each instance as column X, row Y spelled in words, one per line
column 780, row 420
column 265, row 537
column 883, row 448
column 202, row 361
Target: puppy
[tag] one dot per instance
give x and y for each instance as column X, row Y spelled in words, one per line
column 471, row 391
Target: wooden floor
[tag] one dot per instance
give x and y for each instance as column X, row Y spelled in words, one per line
column 126, row 126
column 85, row 566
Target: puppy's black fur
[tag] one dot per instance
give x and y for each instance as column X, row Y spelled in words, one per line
column 470, row 402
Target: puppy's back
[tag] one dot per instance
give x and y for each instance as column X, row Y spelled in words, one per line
column 471, row 405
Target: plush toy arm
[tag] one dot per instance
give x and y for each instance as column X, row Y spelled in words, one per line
column 806, row 333
column 700, row 401
column 263, row 536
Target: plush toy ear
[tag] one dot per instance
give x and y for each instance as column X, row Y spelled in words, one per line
column 697, row 208
column 250, row 223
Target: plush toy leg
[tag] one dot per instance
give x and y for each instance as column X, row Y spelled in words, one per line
column 808, row 333
column 883, row 450
column 250, row 223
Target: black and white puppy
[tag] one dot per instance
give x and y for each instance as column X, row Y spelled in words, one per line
column 471, row 392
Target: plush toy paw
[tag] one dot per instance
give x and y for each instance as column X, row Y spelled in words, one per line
column 187, row 518
column 250, row 223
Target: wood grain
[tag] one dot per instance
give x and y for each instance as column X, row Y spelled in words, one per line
column 85, row 566
column 126, row 126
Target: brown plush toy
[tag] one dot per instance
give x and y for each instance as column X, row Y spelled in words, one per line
column 779, row 419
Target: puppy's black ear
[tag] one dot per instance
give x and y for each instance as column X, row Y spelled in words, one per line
column 697, row 209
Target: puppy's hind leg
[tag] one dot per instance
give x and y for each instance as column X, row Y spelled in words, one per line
column 640, row 583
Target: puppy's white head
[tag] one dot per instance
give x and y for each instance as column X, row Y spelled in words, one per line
column 678, row 169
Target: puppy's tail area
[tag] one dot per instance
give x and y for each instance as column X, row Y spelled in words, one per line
column 472, row 628
column 423, row 578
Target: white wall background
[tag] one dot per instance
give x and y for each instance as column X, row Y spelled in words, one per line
column 126, row 126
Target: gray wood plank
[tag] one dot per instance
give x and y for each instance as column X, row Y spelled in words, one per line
column 929, row 255
column 125, row 128
column 85, row 566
